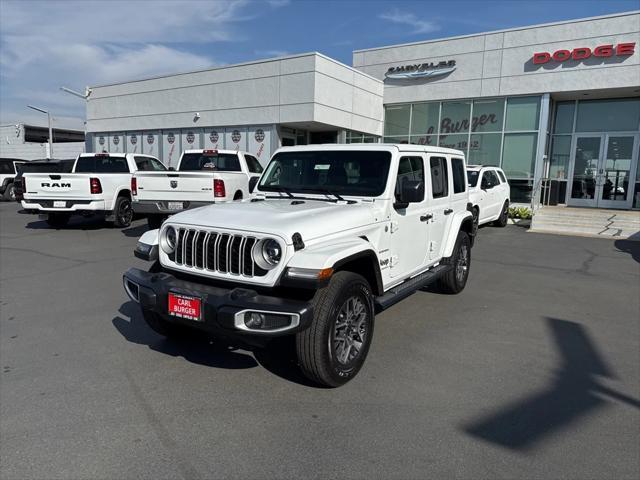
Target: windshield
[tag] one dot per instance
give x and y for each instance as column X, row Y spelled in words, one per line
column 472, row 177
column 345, row 172
column 217, row 162
column 102, row 164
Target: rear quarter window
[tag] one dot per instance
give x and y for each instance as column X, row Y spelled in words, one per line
column 457, row 171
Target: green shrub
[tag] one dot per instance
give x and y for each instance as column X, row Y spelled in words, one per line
column 522, row 213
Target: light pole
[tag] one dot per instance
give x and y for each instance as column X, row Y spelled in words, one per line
column 50, row 131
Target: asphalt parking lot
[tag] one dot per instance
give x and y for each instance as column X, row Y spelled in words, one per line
column 532, row 372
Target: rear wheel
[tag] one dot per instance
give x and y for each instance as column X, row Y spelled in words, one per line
column 504, row 216
column 123, row 213
column 455, row 279
column 10, row 193
column 333, row 349
column 58, row 220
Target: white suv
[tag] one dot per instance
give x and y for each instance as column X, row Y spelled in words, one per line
column 489, row 192
column 334, row 234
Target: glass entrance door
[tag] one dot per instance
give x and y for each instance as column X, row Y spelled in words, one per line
column 617, row 171
column 602, row 168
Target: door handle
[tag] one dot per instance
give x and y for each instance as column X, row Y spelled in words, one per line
column 448, row 211
column 426, row 218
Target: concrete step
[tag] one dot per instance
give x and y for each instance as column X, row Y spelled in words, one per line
column 584, row 221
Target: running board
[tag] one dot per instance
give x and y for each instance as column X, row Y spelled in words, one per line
column 405, row 289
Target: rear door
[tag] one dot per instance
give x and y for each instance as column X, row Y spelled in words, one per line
column 439, row 197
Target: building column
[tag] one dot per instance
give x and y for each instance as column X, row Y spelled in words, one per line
column 543, row 134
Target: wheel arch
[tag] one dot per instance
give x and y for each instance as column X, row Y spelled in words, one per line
column 364, row 263
column 462, row 222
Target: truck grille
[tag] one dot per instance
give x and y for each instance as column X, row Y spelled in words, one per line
column 216, row 252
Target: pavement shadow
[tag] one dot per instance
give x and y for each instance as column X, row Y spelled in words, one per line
column 75, row 223
column 632, row 247
column 196, row 347
column 135, row 231
column 574, row 392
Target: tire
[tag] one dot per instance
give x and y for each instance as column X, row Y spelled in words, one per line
column 325, row 349
column 161, row 326
column 10, row 193
column 155, row 221
column 455, row 280
column 122, row 212
column 504, row 216
column 476, row 219
column 58, row 220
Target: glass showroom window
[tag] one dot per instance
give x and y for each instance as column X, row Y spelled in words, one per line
column 359, row 137
column 397, row 120
column 424, row 123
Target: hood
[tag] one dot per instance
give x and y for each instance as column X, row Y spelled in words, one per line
column 311, row 218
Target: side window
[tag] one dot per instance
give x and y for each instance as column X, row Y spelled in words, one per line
column 148, row 164
column 439, row 177
column 457, row 171
column 501, row 175
column 409, row 168
column 489, row 180
column 253, row 164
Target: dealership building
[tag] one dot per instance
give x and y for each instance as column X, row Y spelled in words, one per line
column 557, row 101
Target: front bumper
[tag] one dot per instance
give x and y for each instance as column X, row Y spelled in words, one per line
column 219, row 305
column 161, row 207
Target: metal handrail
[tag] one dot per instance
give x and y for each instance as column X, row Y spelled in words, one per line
column 541, row 194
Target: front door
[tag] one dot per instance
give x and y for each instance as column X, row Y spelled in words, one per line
column 602, row 168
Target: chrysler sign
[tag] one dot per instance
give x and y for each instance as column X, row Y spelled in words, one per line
column 582, row 53
column 421, row 70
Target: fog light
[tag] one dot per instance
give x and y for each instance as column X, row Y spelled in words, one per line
column 253, row 319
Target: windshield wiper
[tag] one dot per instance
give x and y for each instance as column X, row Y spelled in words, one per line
column 325, row 191
column 278, row 188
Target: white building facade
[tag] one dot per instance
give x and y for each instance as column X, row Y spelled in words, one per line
column 557, row 101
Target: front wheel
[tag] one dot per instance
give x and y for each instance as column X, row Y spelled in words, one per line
column 504, row 216
column 455, row 279
column 333, row 349
column 123, row 213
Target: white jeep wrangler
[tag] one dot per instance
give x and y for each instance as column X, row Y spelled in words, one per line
column 335, row 234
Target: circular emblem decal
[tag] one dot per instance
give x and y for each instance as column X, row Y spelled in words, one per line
column 133, row 140
column 150, row 139
column 213, row 136
column 101, row 140
column 236, row 136
column 171, row 138
column 116, row 140
column 190, row 137
column 259, row 136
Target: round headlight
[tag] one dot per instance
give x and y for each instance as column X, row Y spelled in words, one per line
column 268, row 253
column 168, row 240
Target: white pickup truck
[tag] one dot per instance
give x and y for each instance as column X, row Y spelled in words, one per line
column 99, row 183
column 334, row 234
column 203, row 177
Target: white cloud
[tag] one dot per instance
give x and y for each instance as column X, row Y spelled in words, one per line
column 45, row 45
column 410, row 19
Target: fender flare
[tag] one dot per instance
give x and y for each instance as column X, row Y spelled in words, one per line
column 337, row 255
column 456, row 225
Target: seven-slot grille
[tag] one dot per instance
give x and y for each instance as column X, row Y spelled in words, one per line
column 216, row 252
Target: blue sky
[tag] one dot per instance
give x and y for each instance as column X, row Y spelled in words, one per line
column 45, row 44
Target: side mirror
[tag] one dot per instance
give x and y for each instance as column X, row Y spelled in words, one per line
column 172, row 169
column 412, row 191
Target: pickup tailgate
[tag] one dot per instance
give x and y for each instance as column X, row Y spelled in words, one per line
column 68, row 186
column 175, row 186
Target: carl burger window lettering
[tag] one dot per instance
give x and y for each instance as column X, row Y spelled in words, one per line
column 582, row 53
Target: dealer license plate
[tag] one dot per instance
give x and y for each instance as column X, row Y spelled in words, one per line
column 185, row 306
column 174, row 205
column 59, row 204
